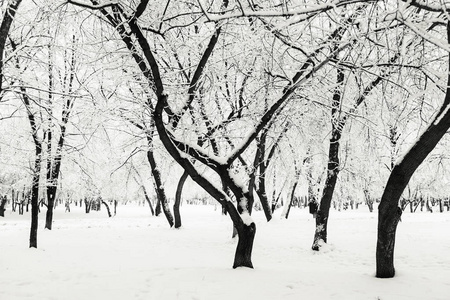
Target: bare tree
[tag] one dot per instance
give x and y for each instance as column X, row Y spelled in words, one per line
column 389, row 212
column 168, row 119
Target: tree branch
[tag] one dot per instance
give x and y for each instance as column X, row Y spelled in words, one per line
column 93, row 6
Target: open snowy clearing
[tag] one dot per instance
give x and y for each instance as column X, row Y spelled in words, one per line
column 136, row 256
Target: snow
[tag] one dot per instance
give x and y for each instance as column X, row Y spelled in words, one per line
column 443, row 114
column 246, row 218
column 136, row 256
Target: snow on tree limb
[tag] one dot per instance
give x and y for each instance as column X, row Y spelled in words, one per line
column 444, row 6
column 279, row 103
column 93, row 6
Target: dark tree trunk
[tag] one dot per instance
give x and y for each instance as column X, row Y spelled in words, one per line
column 291, row 199
column 51, row 192
column 276, row 200
column 2, row 206
column 176, row 205
column 107, row 208
column 147, row 198
column 158, row 207
column 159, row 188
column 87, row 205
column 264, row 201
column 261, row 190
column 337, row 124
column 429, row 208
column 161, row 194
column 21, row 204
column 13, row 201
column 243, row 255
column 327, row 195
column 35, row 198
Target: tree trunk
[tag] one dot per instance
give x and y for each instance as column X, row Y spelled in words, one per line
column 13, row 201
column 176, row 205
column 161, row 194
column 429, row 208
column 107, row 208
column 87, row 205
column 327, row 195
column 159, row 188
column 35, row 198
column 388, row 217
column 291, row 199
column 158, row 207
column 51, row 192
column 147, row 198
column 2, row 206
column 243, row 255
column 263, row 164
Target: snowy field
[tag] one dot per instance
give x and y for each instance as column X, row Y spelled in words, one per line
column 136, row 256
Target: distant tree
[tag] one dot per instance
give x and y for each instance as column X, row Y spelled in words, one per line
column 3, row 201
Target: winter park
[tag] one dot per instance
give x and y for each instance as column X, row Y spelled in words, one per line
column 224, row 149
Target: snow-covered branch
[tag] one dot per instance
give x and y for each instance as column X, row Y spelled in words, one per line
column 424, row 34
column 92, row 6
column 248, row 12
column 289, row 91
column 444, row 6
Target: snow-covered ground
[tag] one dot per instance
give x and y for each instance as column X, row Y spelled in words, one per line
column 136, row 256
